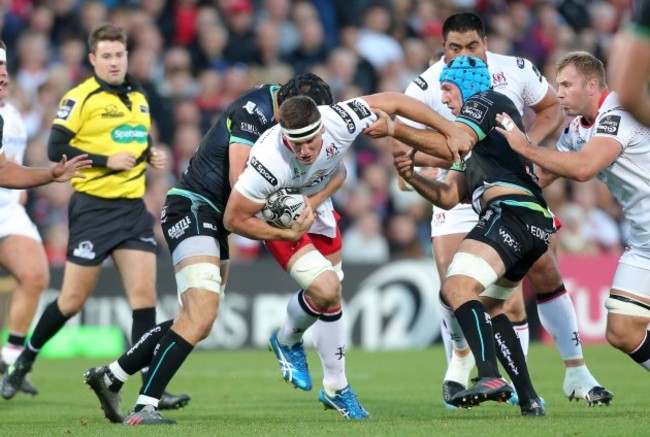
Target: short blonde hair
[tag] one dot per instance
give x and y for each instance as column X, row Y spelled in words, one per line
column 586, row 64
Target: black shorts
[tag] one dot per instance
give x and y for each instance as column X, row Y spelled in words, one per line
column 99, row 226
column 519, row 228
column 187, row 215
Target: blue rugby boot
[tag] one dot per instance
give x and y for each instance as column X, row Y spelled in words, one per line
column 345, row 402
column 293, row 363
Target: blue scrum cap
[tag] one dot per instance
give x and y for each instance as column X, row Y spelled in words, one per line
column 469, row 74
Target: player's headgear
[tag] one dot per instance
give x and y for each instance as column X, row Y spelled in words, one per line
column 469, row 74
column 306, row 84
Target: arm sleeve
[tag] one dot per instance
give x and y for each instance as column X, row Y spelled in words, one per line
column 245, row 127
column 346, row 120
column 59, row 145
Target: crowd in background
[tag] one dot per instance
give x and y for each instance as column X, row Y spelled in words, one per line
column 194, row 57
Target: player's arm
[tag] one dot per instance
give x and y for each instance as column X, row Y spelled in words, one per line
column 548, row 117
column 582, row 165
column 241, row 218
column 445, row 194
column 238, row 154
column 333, row 185
column 13, row 175
column 629, row 72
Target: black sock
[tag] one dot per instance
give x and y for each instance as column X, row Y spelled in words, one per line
column 170, row 354
column 511, row 356
column 642, row 353
column 16, row 340
column 144, row 319
column 48, row 325
column 477, row 327
column 141, row 353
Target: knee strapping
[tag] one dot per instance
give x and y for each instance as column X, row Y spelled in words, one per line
column 338, row 268
column 498, row 292
column 309, row 267
column 205, row 276
column 627, row 306
column 473, row 266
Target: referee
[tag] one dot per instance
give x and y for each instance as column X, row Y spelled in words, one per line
column 106, row 117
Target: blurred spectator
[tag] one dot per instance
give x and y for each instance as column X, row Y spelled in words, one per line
column 311, row 50
column 278, row 12
column 373, row 34
column 363, row 242
column 32, row 62
column 241, row 46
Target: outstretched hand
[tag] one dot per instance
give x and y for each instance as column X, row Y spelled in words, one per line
column 384, row 126
column 66, row 169
column 508, row 128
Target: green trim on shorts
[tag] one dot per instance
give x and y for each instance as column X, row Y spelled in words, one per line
column 530, row 205
column 192, row 196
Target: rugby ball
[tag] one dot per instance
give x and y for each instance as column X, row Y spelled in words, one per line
column 283, row 207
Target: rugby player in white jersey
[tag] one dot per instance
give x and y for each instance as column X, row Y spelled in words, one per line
column 521, row 81
column 303, row 152
column 21, row 249
column 606, row 142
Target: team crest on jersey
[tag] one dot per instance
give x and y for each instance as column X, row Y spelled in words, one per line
column 359, row 108
column 475, row 111
column 520, row 63
column 346, row 118
column 609, row 125
column 249, row 107
column 332, row 150
column 419, row 81
column 144, row 109
column 65, row 109
column 263, row 171
column 499, row 79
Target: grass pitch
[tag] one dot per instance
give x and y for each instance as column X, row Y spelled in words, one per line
column 241, row 393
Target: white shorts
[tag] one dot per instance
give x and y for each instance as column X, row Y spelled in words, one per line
column 458, row 220
column 14, row 221
column 633, row 273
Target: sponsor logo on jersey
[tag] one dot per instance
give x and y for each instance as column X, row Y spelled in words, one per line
column 346, row 118
column 419, row 81
column 509, row 240
column 249, row 107
column 260, row 115
column 537, row 72
column 178, row 229
column 475, row 111
column 316, row 178
column 209, row 226
column 111, row 111
column 248, row 127
column 144, row 109
column 163, row 215
column 297, row 173
column 359, row 108
column 609, row 125
column 541, row 234
column 65, row 109
column 521, row 63
column 84, row 250
column 127, row 134
column 263, row 171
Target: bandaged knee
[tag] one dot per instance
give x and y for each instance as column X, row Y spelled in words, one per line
column 309, row 267
column 474, row 266
column 338, row 268
column 204, row 276
column 627, row 306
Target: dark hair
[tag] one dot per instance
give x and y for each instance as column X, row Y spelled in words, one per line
column 306, row 84
column 297, row 112
column 106, row 32
column 463, row 22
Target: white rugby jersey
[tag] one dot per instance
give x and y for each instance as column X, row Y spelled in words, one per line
column 515, row 77
column 14, row 142
column 273, row 165
column 628, row 178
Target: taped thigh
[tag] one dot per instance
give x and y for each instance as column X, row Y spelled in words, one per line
column 498, row 292
column 474, row 266
column 309, row 267
column 627, row 306
column 204, row 276
column 338, row 268
column 200, row 245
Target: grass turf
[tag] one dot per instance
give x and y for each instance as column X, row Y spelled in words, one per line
column 242, row 393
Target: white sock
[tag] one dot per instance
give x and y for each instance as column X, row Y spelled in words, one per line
column 455, row 331
column 446, row 341
column 459, row 368
column 118, row 372
column 558, row 317
column 524, row 335
column 147, row 400
column 296, row 322
column 578, row 376
column 10, row 353
column 329, row 339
